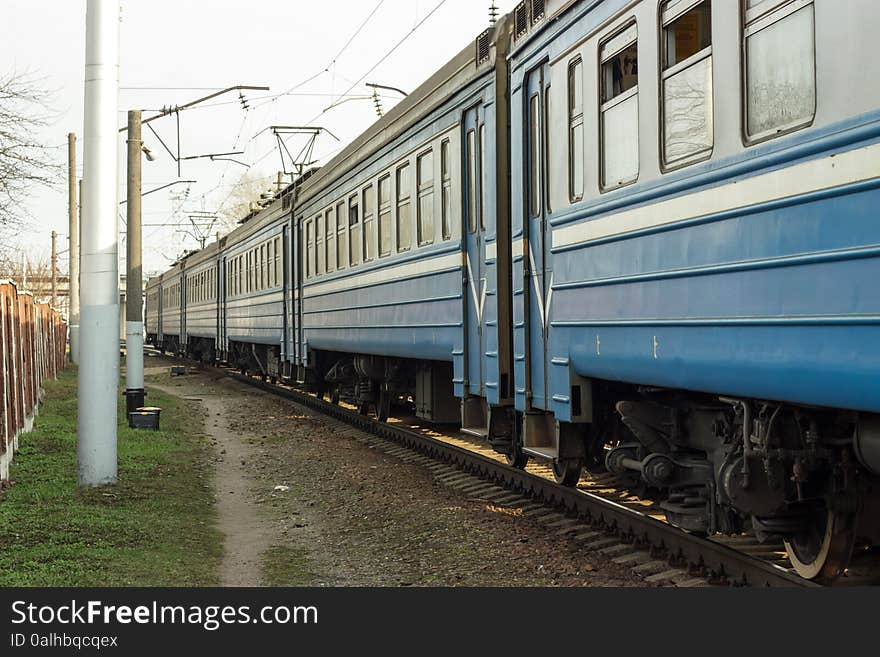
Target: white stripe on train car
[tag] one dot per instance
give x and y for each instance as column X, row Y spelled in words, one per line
column 388, row 274
column 824, row 173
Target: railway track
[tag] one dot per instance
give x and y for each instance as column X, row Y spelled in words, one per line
column 596, row 514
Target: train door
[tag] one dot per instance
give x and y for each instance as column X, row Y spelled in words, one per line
column 159, row 307
column 473, row 230
column 537, row 261
column 184, row 286
column 223, row 287
column 285, row 297
column 296, row 275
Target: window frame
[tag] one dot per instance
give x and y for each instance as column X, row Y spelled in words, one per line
column 341, row 232
column 369, row 216
column 354, row 253
column 576, row 121
column 403, row 196
column 445, row 188
column 424, row 191
column 606, row 105
column 379, row 211
column 471, row 178
column 310, row 245
column 752, row 21
column 669, row 12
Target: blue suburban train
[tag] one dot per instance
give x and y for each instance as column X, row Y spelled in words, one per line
column 639, row 236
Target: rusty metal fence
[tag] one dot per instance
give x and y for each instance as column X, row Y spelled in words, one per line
column 33, row 342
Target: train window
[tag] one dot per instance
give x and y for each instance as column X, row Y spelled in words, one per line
column 619, row 112
column 686, row 81
column 277, row 263
column 270, row 263
column 354, row 231
column 471, row 181
column 341, row 230
column 330, row 244
column 482, row 194
column 535, row 154
column 446, row 200
column 425, row 221
column 404, row 209
column 575, row 130
column 264, row 268
column 309, row 249
column 369, row 213
column 319, row 244
column 384, row 216
column 780, row 67
column 547, row 154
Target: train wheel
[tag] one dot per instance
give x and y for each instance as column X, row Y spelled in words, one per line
column 567, row 472
column 822, row 550
column 364, row 407
column 516, row 458
column 383, row 408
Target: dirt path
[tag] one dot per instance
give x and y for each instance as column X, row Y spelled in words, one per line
column 303, row 502
column 247, row 536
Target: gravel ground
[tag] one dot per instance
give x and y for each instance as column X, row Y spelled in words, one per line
column 299, row 496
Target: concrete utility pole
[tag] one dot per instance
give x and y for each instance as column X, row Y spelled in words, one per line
column 54, row 268
column 99, row 292
column 134, row 321
column 73, row 251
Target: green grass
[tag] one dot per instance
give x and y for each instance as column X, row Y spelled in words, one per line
column 155, row 527
column 287, row 565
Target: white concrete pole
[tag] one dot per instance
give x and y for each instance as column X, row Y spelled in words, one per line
column 73, row 253
column 99, row 244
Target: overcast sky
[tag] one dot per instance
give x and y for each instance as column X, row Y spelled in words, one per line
column 174, row 51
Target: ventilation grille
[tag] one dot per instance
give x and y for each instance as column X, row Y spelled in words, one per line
column 537, row 10
column 521, row 19
column 483, row 44
column 286, row 201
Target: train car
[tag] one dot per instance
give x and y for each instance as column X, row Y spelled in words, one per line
column 255, row 296
column 171, row 315
column 153, row 311
column 202, row 304
column 695, row 185
column 399, row 239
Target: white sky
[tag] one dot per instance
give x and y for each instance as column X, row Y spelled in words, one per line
column 174, row 51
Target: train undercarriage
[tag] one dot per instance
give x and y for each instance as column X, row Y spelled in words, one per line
column 718, row 465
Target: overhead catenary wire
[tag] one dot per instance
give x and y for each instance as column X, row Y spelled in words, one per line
column 332, row 61
column 381, row 60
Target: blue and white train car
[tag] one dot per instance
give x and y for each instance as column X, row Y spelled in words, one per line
column 171, row 318
column 253, row 307
column 202, row 307
column 153, row 310
column 398, row 244
column 695, row 189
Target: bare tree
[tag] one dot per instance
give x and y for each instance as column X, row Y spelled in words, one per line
column 32, row 272
column 247, row 190
column 25, row 161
